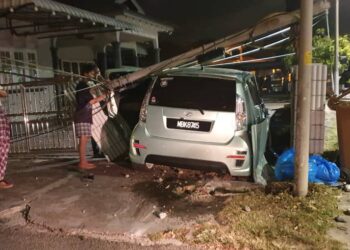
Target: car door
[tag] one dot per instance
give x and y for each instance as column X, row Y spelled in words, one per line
column 259, row 131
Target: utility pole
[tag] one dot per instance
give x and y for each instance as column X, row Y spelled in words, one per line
column 304, row 98
column 336, row 57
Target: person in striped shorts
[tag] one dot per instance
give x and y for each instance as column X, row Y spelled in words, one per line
column 83, row 113
column 4, row 143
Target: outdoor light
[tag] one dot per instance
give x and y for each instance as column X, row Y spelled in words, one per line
column 68, row 17
column 81, row 20
column 106, row 25
column 12, row 9
column 53, row 13
column 93, row 23
column 36, row 8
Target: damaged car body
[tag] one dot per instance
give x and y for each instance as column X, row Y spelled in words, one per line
column 202, row 118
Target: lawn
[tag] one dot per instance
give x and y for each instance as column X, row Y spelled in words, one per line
column 267, row 219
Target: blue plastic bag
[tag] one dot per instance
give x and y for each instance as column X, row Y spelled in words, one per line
column 327, row 172
column 284, row 169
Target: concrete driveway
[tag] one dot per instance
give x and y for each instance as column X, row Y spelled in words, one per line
column 115, row 202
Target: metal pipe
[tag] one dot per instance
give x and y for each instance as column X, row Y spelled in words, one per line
column 336, row 57
column 329, row 35
column 25, row 117
column 303, row 100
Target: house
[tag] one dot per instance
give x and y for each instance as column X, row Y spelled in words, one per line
column 42, row 38
column 57, row 35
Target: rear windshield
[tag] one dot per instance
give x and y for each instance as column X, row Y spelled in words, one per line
column 194, row 93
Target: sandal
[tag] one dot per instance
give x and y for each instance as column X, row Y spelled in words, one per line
column 5, row 184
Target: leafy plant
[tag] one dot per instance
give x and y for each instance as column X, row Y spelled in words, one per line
column 323, row 50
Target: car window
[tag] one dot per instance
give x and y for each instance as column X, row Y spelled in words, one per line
column 194, row 93
column 253, row 89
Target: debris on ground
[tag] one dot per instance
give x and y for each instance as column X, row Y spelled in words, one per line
column 340, row 219
column 87, row 177
column 160, row 215
column 226, row 186
column 246, row 209
column 189, row 188
column 347, row 212
column 178, row 191
column 149, row 165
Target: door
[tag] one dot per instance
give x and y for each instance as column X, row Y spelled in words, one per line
column 259, row 132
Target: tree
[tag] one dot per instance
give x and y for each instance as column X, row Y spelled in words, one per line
column 323, row 50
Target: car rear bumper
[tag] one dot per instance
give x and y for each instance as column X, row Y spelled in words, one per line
column 233, row 156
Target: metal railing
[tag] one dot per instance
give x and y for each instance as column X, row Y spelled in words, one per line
column 40, row 115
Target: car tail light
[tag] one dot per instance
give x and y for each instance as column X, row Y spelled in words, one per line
column 241, row 114
column 138, row 145
column 143, row 110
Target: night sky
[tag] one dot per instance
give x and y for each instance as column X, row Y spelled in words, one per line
column 199, row 21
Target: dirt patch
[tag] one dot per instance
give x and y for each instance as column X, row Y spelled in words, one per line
column 189, row 193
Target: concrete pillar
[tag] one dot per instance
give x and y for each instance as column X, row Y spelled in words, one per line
column 102, row 62
column 156, row 54
column 156, row 51
column 302, row 133
column 117, row 54
column 55, row 67
column 54, row 55
column 137, row 63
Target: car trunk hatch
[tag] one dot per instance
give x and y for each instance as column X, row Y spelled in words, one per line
column 192, row 108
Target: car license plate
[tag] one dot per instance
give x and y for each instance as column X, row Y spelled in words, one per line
column 188, row 125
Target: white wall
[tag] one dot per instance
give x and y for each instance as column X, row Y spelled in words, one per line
column 9, row 41
column 44, row 58
column 78, row 53
column 12, row 43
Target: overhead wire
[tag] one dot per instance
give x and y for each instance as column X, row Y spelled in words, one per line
column 207, row 47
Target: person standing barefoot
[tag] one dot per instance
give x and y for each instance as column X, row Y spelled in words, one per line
column 83, row 113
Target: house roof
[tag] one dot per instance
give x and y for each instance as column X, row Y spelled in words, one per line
column 49, row 12
column 51, row 17
column 140, row 19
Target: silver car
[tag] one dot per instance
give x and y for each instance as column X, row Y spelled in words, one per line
column 202, row 118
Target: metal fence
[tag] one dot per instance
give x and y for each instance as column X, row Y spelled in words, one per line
column 40, row 116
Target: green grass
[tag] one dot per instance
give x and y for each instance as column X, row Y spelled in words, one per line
column 277, row 220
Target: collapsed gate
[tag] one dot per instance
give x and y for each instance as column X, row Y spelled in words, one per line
column 40, row 116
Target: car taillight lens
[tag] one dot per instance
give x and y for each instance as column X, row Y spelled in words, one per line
column 241, row 114
column 143, row 110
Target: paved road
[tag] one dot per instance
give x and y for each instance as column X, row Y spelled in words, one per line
column 24, row 238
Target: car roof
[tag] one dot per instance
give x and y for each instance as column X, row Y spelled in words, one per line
column 207, row 72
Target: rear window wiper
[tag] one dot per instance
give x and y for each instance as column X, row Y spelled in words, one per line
column 192, row 105
column 198, row 108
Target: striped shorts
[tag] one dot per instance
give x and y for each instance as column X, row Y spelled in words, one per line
column 82, row 129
